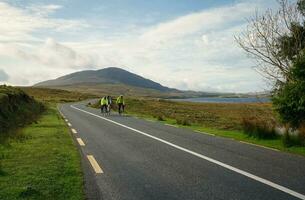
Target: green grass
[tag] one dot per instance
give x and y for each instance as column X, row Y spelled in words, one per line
column 40, row 161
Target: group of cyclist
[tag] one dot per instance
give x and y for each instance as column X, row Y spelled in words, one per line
column 106, row 104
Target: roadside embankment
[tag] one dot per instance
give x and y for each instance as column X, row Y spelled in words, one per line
column 16, row 109
column 41, row 162
column 37, row 160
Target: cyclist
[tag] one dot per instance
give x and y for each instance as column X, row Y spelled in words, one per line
column 121, row 104
column 109, row 99
column 104, row 104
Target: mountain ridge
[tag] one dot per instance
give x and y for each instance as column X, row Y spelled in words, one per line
column 109, row 75
column 117, row 81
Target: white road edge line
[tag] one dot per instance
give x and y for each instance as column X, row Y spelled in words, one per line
column 66, row 120
column 229, row 167
column 257, row 145
column 80, row 141
column 205, row 133
column 73, row 130
column 172, row 125
column 95, row 165
column 69, row 124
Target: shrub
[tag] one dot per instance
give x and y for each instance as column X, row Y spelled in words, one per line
column 160, row 118
column 16, row 109
column 291, row 140
column 289, row 98
column 257, row 128
column 294, row 140
column 184, row 122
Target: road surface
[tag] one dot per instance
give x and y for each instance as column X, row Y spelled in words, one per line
column 129, row 158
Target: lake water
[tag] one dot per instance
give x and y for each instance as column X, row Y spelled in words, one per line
column 225, row 100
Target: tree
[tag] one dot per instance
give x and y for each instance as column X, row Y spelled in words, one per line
column 261, row 40
column 277, row 41
column 289, row 98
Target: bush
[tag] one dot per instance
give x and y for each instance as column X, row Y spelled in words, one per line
column 302, row 134
column 289, row 98
column 291, row 140
column 257, row 128
column 16, row 109
column 160, row 118
column 184, row 122
column 294, row 140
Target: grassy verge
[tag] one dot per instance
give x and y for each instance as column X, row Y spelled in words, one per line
column 40, row 161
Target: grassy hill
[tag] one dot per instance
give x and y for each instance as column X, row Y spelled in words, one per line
column 126, row 90
column 111, row 75
column 115, row 81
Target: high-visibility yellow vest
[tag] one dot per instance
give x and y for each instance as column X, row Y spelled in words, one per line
column 120, row 100
column 104, row 101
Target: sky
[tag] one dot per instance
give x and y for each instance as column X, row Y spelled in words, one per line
column 185, row 44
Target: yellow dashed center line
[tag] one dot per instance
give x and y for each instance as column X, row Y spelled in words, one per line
column 95, row 165
column 80, row 142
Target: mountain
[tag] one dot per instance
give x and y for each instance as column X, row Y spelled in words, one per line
column 115, row 81
column 111, row 75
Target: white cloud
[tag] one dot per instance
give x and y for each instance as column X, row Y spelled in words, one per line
column 28, row 58
column 213, row 19
column 3, row 75
column 43, row 10
column 196, row 51
column 18, row 24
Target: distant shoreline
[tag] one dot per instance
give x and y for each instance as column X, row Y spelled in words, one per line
column 224, row 100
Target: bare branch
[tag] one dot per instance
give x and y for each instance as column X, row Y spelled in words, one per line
column 260, row 40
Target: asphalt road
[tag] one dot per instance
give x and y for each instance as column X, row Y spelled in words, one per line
column 140, row 159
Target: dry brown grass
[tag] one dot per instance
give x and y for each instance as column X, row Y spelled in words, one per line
column 226, row 116
column 55, row 95
column 256, row 127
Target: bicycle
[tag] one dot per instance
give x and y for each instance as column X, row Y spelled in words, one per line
column 108, row 109
column 121, row 108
